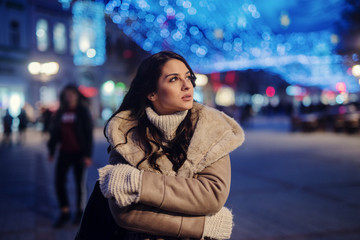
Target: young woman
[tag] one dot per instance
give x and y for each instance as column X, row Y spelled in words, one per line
column 169, row 171
column 71, row 128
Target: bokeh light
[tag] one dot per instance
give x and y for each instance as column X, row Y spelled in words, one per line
column 201, row 80
column 356, row 70
column 108, row 87
column 15, row 104
column 270, row 91
column 225, row 96
column 341, row 87
column 49, row 68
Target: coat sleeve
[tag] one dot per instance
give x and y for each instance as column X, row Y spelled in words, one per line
column 202, row 195
column 205, row 194
column 154, row 221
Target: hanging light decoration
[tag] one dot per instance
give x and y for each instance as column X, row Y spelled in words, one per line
column 89, row 33
column 217, row 37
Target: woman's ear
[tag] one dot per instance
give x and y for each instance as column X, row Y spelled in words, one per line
column 152, row 97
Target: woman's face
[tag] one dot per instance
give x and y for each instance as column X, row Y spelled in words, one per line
column 175, row 90
column 71, row 98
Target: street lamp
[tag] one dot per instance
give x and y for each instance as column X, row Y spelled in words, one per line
column 43, row 70
column 43, row 73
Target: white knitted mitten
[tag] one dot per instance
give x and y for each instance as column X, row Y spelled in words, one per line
column 219, row 226
column 121, row 181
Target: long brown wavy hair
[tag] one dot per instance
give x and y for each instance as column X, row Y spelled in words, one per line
column 151, row 140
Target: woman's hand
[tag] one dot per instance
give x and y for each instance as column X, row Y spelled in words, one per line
column 121, row 181
column 219, row 225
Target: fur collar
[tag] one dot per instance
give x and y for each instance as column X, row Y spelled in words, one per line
column 215, row 136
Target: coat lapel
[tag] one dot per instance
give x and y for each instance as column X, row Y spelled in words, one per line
column 215, row 136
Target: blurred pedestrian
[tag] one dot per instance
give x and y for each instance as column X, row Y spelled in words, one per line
column 246, row 114
column 72, row 129
column 45, row 119
column 7, row 124
column 169, row 171
column 23, row 122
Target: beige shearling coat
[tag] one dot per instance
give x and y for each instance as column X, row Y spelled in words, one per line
column 174, row 204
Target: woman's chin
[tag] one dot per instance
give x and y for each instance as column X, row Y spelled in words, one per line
column 188, row 106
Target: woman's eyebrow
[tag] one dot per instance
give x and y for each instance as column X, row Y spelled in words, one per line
column 175, row 74
column 171, row 74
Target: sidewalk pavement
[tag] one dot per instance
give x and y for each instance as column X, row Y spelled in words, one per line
column 285, row 186
column 296, row 186
column 28, row 205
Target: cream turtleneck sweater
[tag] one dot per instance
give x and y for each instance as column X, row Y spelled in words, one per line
column 167, row 124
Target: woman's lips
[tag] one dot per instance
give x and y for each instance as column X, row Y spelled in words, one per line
column 187, row 97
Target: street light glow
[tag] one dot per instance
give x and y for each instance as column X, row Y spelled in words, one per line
column 15, row 105
column 49, row 68
column 201, row 80
column 225, row 97
column 356, row 70
column 34, row 68
column 84, row 43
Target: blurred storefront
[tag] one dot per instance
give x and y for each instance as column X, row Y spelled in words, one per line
column 38, row 57
column 14, row 53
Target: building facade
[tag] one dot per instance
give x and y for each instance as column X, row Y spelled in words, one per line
column 40, row 32
column 14, row 52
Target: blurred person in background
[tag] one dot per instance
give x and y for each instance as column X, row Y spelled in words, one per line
column 71, row 128
column 169, row 172
column 45, row 118
column 7, row 124
column 246, row 115
column 23, row 122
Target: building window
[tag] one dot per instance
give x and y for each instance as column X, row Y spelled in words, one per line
column 42, row 35
column 60, row 38
column 14, row 34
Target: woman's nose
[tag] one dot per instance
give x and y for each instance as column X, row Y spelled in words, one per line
column 186, row 84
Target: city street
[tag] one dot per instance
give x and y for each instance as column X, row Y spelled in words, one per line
column 288, row 71
column 285, row 186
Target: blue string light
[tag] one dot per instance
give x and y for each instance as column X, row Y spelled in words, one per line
column 219, row 36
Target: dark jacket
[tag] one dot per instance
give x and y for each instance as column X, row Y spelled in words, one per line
column 83, row 130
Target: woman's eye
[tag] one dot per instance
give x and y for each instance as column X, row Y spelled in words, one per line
column 173, row 79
